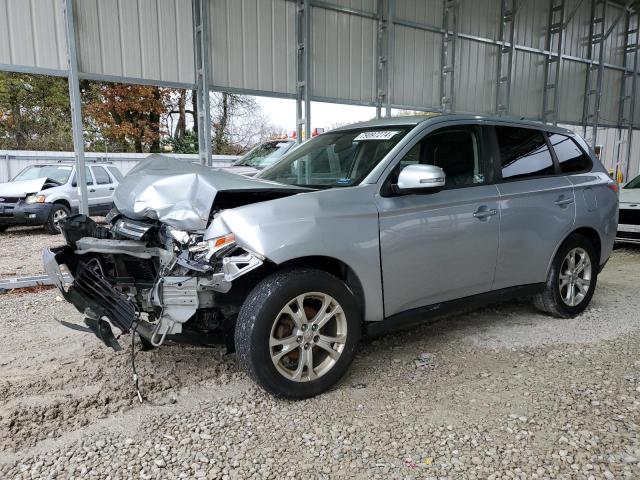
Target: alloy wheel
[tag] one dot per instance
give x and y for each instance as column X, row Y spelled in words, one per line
column 59, row 215
column 308, row 336
column 575, row 277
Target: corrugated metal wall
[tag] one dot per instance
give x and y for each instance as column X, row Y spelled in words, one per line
column 253, row 49
column 253, row 45
column 32, row 34
column 343, row 53
column 136, row 39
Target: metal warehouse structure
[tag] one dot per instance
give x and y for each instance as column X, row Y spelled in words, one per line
column 572, row 62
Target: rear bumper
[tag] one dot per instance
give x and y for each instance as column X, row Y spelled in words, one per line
column 22, row 213
column 629, row 226
column 628, row 233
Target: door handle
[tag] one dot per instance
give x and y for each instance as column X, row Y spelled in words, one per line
column 564, row 201
column 483, row 213
column 111, row 188
column 92, row 190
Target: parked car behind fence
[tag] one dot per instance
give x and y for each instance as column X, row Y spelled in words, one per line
column 46, row 193
column 629, row 227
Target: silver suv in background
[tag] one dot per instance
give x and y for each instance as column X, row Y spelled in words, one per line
column 46, row 193
column 261, row 156
column 366, row 228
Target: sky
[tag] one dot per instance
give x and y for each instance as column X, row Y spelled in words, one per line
column 282, row 113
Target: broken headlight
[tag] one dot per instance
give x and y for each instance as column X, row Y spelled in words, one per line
column 206, row 249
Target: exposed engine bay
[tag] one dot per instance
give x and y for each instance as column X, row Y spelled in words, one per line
column 166, row 282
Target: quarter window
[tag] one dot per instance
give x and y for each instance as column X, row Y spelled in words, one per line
column 571, row 157
column 523, row 153
column 115, row 173
column 102, row 177
column 454, row 149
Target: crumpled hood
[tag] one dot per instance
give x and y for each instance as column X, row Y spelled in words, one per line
column 179, row 193
column 21, row 188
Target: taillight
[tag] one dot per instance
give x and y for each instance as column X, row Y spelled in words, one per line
column 614, row 187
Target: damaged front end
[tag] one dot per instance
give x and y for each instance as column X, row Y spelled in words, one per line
column 161, row 264
column 165, row 283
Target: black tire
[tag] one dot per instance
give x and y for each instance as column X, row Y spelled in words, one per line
column 551, row 299
column 50, row 225
column 259, row 313
column 3, row 228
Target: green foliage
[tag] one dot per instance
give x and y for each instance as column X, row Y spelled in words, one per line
column 186, row 144
column 34, row 113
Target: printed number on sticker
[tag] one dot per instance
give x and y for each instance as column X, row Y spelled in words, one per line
column 376, row 135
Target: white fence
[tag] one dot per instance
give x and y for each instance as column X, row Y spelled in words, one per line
column 14, row 161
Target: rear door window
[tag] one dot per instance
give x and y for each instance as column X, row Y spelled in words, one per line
column 571, row 157
column 523, row 153
column 102, row 177
column 87, row 174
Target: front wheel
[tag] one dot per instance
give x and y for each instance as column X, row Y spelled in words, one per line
column 572, row 279
column 297, row 332
column 56, row 215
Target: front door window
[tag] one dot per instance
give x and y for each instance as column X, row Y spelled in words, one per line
column 454, row 149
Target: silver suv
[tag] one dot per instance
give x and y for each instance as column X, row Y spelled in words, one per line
column 46, row 193
column 366, row 228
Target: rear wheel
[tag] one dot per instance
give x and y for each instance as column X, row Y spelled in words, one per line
column 56, row 215
column 572, row 279
column 297, row 332
column 3, row 228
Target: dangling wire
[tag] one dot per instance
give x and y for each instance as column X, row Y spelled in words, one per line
column 136, row 382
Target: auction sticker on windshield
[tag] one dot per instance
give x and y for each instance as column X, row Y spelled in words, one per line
column 376, row 135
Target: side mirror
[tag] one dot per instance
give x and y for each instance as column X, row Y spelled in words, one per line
column 421, row 178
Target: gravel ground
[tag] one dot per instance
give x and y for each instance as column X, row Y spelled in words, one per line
column 20, row 249
column 502, row 392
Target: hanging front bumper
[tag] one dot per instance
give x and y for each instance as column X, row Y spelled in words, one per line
column 102, row 305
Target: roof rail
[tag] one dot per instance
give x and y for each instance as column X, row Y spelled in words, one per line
column 86, row 160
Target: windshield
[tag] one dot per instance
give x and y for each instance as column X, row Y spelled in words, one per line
column 265, row 154
column 57, row 173
column 635, row 183
column 336, row 159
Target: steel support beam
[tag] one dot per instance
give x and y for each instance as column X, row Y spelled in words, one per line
column 76, row 105
column 555, row 35
column 634, row 48
column 200, row 12
column 593, row 87
column 506, row 56
column 448, row 55
column 303, row 70
column 382, row 39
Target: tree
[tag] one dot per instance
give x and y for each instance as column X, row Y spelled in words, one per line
column 186, row 144
column 238, row 124
column 127, row 116
column 34, row 113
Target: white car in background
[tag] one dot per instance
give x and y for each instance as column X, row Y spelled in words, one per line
column 47, row 193
column 261, row 156
column 629, row 222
